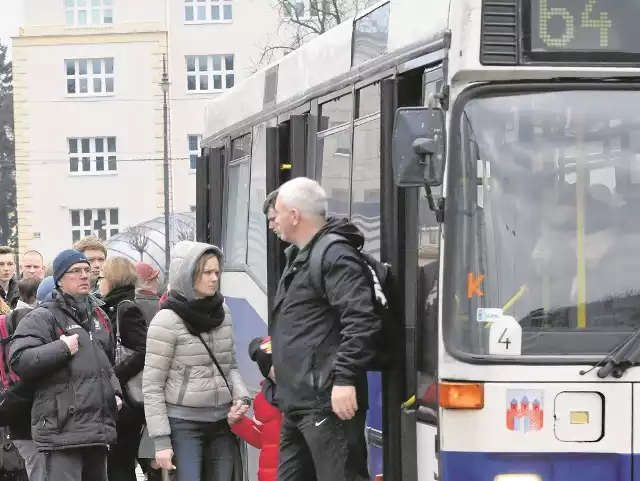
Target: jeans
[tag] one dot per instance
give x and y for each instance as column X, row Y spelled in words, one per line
column 33, row 460
column 203, row 451
column 322, row 447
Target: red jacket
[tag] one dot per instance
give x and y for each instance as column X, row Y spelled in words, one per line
column 264, row 435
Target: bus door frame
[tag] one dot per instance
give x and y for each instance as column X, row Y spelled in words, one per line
column 286, row 144
column 399, row 247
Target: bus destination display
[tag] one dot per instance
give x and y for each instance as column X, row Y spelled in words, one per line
column 582, row 26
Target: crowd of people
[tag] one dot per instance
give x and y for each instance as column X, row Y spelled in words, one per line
column 103, row 366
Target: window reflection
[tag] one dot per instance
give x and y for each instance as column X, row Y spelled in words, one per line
column 257, row 232
column 335, row 152
column 365, row 203
column 549, row 209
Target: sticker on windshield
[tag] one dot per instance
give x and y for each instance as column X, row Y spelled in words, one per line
column 505, row 337
column 525, row 410
column 488, row 314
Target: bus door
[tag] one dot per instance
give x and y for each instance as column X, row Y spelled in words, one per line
column 286, row 159
column 404, row 447
column 210, row 171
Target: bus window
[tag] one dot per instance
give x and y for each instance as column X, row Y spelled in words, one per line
column 257, row 230
column 235, row 240
column 334, row 153
column 365, row 200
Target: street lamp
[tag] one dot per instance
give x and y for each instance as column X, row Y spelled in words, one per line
column 165, row 109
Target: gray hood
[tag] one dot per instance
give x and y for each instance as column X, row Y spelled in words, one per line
column 182, row 270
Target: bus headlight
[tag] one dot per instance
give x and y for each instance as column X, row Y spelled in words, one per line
column 518, row 477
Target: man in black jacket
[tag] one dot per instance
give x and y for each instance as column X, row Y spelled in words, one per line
column 64, row 349
column 322, row 343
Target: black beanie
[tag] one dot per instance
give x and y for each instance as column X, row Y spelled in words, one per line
column 260, row 353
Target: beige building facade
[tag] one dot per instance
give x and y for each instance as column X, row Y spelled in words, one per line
column 89, row 106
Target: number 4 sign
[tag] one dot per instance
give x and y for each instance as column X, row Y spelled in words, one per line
column 505, row 337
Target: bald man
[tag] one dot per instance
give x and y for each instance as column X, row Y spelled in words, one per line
column 32, row 265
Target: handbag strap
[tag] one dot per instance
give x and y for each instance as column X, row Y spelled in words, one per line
column 215, row 361
column 118, row 335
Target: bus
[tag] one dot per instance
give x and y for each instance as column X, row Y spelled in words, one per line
column 489, row 150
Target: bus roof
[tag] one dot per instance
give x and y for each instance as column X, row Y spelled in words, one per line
column 389, row 26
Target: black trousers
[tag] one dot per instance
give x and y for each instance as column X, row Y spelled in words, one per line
column 77, row 464
column 322, row 447
column 123, row 455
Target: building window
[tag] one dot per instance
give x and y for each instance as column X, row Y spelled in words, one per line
column 210, row 11
column 89, row 12
column 207, row 73
column 103, row 223
column 89, row 76
column 194, row 150
column 301, row 9
column 92, row 154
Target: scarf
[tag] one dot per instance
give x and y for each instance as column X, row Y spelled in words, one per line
column 198, row 315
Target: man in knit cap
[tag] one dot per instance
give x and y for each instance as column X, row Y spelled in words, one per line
column 64, row 349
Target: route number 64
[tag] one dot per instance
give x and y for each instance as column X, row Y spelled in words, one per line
column 603, row 23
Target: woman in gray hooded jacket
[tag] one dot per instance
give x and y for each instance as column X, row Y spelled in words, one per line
column 191, row 377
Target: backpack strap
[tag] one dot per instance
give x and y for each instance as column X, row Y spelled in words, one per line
column 316, row 260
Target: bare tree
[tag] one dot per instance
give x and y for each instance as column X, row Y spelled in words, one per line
column 138, row 238
column 303, row 20
column 184, row 232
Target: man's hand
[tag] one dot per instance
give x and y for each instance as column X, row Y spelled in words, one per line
column 164, row 459
column 119, row 403
column 237, row 412
column 71, row 342
column 344, row 402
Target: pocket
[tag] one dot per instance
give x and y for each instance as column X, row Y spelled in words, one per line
column 64, row 407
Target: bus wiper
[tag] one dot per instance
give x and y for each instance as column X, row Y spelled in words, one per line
column 621, row 358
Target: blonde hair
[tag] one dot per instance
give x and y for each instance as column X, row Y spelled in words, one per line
column 4, row 307
column 91, row 243
column 120, row 271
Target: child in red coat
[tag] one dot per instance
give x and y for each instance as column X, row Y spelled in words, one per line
column 263, row 432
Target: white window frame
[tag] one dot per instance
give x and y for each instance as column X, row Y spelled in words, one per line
column 306, row 9
column 210, row 72
column 193, row 152
column 88, row 12
column 106, row 154
column 82, row 230
column 95, row 73
column 205, row 11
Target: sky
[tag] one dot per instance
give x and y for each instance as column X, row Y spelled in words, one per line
column 10, row 18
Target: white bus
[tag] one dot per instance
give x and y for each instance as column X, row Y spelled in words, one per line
column 508, row 127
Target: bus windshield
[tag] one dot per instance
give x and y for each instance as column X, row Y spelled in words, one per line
column 543, row 220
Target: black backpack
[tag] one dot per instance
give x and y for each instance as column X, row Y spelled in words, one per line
column 387, row 343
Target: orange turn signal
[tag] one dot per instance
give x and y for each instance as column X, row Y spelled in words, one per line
column 378, row 477
column 456, row 395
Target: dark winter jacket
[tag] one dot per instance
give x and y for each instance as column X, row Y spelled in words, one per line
column 264, row 434
column 75, row 396
column 12, row 295
column 319, row 341
column 134, row 330
column 149, row 303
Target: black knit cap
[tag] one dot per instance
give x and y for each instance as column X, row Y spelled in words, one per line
column 260, row 353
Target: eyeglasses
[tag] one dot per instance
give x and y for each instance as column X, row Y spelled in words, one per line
column 79, row 271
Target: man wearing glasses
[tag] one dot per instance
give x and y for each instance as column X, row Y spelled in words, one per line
column 64, row 349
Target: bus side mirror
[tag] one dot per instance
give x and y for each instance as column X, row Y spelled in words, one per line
column 418, row 147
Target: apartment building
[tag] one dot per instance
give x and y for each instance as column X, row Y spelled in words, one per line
column 89, row 106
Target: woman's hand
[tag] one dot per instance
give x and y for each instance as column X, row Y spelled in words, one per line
column 237, row 412
column 164, row 459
